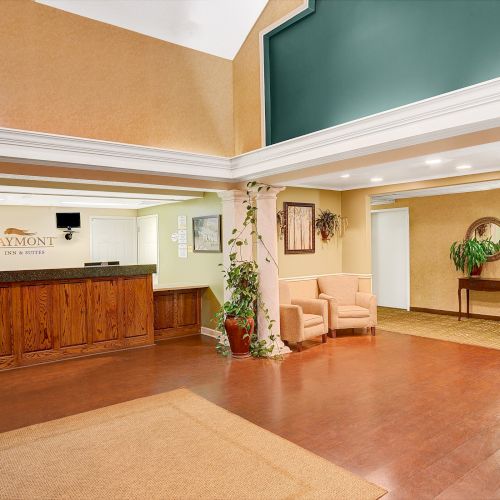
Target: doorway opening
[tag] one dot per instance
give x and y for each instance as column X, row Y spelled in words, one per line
column 391, row 257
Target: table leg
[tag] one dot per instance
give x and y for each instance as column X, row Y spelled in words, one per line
column 459, row 304
column 467, row 292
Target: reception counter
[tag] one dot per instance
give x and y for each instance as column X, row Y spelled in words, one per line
column 52, row 314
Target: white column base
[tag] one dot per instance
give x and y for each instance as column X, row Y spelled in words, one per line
column 279, row 348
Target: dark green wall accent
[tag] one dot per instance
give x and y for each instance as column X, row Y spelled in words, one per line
column 344, row 59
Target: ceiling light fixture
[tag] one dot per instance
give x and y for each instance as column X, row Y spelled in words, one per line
column 433, row 161
column 376, row 179
column 345, row 176
column 464, row 167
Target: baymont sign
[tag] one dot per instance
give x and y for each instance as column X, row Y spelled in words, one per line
column 20, row 241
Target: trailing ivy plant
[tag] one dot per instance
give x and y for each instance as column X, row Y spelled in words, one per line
column 470, row 254
column 329, row 224
column 242, row 280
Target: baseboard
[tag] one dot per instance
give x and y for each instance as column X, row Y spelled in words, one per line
column 454, row 313
column 209, row 332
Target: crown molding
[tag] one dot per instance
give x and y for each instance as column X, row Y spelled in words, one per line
column 24, row 146
column 462, row 111
column 467, row 110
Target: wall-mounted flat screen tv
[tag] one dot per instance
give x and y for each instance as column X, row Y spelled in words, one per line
column 68, row 219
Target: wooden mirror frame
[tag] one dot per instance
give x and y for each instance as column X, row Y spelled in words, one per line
column 480, row 222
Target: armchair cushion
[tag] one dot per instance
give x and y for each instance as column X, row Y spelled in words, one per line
column 312, row 320
column 341, row 288
column 353, row 312
column 314, row 307
column 311, row 306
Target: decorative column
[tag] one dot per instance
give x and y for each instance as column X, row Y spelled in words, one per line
column 267, row 249
column 233, row 215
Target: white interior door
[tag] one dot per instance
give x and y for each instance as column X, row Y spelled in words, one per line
column 114, row 238
column 391, row 257
column 147, row 242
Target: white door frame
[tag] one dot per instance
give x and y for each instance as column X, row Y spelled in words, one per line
column 406, row 210
column 155, row 216
column 92, row 217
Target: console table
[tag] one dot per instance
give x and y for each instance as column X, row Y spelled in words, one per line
column 177, row 310
column 479, row 284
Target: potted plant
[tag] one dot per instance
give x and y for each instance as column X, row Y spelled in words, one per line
column 328, row 224
column 469, row 255
column 236, row 318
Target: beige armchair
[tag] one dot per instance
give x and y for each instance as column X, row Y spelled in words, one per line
column 347, row 307
column 301, row 319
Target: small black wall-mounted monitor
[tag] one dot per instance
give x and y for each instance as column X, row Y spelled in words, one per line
column 68, row 219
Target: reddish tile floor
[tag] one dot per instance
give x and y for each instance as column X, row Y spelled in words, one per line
column 417, row 416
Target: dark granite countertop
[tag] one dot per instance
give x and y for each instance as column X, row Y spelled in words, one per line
column 75, row 273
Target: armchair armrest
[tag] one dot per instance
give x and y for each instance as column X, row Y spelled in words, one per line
column 369, row 301
column 291, row 322
column 365, row 299
column 332, row 310
column 312, row 306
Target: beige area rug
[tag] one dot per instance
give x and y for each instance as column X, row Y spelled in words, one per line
column 174, row 445
column 480, row 332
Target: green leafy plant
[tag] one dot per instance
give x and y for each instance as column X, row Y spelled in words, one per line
column 490, row 247
column 468, row 255
column 329, row 224
column 242, row 280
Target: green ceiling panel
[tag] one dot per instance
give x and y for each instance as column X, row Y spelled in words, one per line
column 344, row 59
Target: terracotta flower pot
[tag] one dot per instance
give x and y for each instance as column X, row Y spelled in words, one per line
column 239, row 336
column 476, row 272
column 324, row 235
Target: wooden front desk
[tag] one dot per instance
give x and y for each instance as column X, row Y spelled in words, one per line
column 62, row 317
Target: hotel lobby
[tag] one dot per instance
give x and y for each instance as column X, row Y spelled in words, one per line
column 250, row 249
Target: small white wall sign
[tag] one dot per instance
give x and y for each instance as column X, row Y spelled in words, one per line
column 182, row 251
column 181, row 222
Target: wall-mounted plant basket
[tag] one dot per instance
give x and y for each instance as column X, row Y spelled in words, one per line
column 329, row 224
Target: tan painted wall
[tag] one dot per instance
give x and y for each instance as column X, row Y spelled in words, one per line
column 328, row 256
column 435, row 222
column 202, row 268
column 246, row 67
column 65, row 74
column 356, row 244
column 42, row 221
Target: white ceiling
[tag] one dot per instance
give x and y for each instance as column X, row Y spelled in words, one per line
column 481, row 159
column 48, row 197
column 437, row 191
column 218, row 27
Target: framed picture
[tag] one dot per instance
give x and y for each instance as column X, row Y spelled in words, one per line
column 207, row 234
column 299, row 228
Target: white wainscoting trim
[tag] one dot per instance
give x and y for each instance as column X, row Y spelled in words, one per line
column 312, row 277
column 462, row 111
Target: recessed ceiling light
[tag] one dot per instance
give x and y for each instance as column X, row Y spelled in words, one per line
column 433, row 161
column 376, row 179
column 345, row 176
column 464, row 167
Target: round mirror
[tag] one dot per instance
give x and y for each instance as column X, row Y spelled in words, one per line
column 487, row 228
